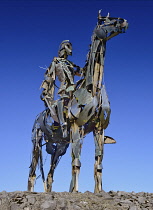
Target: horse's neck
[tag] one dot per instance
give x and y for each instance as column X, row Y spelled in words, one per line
column 95, row 66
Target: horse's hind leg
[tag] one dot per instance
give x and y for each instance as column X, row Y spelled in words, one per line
column 99, row 143
column 37, row 140
column 32, row 175
column 56, row 150
column 49, row 180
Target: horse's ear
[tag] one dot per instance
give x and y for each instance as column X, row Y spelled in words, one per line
column 99, row 17
column 108, row 15
column 99, row 14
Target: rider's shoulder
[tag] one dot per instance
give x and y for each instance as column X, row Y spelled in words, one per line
column 55, row 59
column 58, row 59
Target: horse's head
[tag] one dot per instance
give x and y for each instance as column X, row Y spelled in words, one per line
column 108, row 27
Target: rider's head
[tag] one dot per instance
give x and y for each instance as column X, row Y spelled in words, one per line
column 65, row 49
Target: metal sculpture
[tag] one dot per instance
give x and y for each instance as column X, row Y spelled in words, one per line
column 82, row 108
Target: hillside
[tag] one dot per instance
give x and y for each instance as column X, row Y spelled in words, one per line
column 74, row 201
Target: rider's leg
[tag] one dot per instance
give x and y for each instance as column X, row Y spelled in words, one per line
column 62, row 120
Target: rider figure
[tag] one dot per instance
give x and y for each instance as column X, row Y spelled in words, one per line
column 64, row 70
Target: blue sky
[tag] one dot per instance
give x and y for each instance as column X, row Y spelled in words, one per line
column 31, row 32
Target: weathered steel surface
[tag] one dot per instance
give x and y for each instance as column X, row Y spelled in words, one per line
column 82, row 108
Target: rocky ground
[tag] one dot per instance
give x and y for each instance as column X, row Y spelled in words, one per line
column 75, row 201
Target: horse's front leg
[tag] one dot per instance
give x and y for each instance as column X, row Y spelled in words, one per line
column 76, row 164
column 99, row 146
column 76, row 152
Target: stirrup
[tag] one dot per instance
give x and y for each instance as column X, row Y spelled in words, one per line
column 64, row 129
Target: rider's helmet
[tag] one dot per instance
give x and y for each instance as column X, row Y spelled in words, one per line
column 65, row 49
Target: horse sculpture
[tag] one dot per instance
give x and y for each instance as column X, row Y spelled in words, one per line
column 86, row 110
